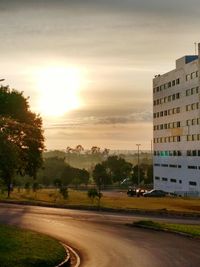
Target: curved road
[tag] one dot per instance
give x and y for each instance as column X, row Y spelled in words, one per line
column 103, row 239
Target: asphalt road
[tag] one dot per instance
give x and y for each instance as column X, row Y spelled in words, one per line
column 103, row 239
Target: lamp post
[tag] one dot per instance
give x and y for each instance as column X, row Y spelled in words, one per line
column 138, row 156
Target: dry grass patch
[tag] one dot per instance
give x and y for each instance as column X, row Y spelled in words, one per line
column 77, row 198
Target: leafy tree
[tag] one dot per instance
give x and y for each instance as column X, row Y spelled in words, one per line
column 21, row 137
column 84, row 176
column 134, row 177
column 100, row 175
column 64, row 191
column 52, row 169
column 118, row 168
column 93, row 193
column 67, row 175
column 149, row 179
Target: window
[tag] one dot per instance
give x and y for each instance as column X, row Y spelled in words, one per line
column 193, row 121
column 194, row 153
column 192, row 167
column 173, row 83
column 178, row 81
column 164, row 179
column 192, row 183
column 173, row 180
column 188, row 122
column 188, row 92
column 187, row 77
column 193, row 75
column 157, row 178
column 164, row 165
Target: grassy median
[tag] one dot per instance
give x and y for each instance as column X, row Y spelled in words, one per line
column 192, row 230
column 119, row 201
column 23, row 248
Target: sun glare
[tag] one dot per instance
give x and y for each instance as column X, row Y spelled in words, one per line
column 59, row 88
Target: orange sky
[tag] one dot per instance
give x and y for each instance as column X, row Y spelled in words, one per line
column 120, row 45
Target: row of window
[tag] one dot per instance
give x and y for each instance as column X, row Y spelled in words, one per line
column 195, row 121
column 193, row 137
column 167, row 165
column 166, row 85
column 176, row 124
column 165, row 126
column 173, row 180
column 192, row 153
column 193, row 167
column 168, row 153
column 166, row 99
column 168, row 139
column 176, row 110
column 192, row 91
column 192, row 106
column 166, row 112
column 192, row 75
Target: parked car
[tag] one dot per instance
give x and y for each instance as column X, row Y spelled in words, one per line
column 136, row 192
column 131, row 192
column 155, row 193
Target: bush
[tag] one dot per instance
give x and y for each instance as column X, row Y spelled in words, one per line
column 64, row 192
column 93, row 193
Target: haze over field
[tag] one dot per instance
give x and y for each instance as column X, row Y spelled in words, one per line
column 88, row 65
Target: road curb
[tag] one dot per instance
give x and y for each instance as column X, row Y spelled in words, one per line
column 165, row 231
column 67, row 260
column 160, row 212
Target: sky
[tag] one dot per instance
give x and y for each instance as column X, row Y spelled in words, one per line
column 116, row 47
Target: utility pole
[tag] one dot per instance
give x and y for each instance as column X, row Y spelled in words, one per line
column 138, row 156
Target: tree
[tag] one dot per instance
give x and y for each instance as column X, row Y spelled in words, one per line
column 21, row 137
column 93, row 193
column 118, row 168
column 135, row 174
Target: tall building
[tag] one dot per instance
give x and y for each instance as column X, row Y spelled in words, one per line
column 176, row 127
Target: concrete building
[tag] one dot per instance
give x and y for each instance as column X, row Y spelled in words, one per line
column 176, row 127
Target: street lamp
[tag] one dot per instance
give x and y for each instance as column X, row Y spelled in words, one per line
column 138, row 156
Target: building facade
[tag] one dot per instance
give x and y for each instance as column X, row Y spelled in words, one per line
column 176, row 127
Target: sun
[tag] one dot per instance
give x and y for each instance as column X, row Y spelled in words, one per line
column 58, row 90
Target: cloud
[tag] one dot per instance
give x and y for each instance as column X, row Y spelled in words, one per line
column 133, row 118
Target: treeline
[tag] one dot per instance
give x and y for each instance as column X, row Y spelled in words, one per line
column 113, row 171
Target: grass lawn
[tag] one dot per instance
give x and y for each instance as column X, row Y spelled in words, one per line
column 193, row 230
column 120, row 201
column 22, row 248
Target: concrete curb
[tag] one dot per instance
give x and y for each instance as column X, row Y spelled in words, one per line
column 165, row 231
column 67, row 261
column 160, row 212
